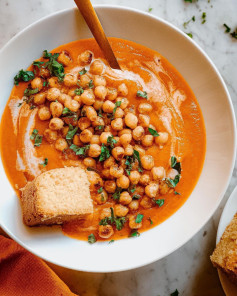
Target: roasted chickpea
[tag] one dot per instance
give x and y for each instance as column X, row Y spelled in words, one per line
column 144, row 120
column 138, row 133
column 77, row 141
column 128, row 150
column 119, row 113
column 118, row 153
column 130, row 109
column 56, row 109
column 105, row 231
column 120, row 210
column 163, row 188
column 106, row 174
column 99, row 121
column 37, row 83
column 64, row 89
column 106, row 212
column 88, row 97
column 101, row 198
column 100, row 92
column 84, row 80
column 40, row 98
column 53, row 82
column 140, row 150
column 123, row 182
column 144, row 108
column 158, row 173
column 97, row 67
column 147, row 162
column 104, row 137
column 139, row 190
column 109, row 162
column 70, row 79
column 162, row 139
column 110, row 186
column 146, row 202
column 108, row 106
column 89, row 162
column 108, row 128
column 132, row 222
column 134, row 205
column 147, row 141
column 44, row 73
column 90, row 113
column 99, row 80
column 125, row 139
column 124, row 102
column 151, row 190
column 122, row 89
column 64, row 58
column 95, row 180
column 50, row 136
column 61, row 144
column 44, row 113
column 85, row 136
column 124, row 131
column 116, row 171
column 125, row 198
column 95, row 139
column 98, row 105
column 145, row 179
column 117, row 124
column 53, row 94
column 134, row 177
column 131, row 120
column 94, row 150
column 84, row 123
column 74, row 106
column 85, row 57
column 62, row 98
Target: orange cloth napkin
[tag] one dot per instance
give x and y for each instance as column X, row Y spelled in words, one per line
column 23, row 274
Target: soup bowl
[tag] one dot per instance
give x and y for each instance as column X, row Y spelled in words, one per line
column 188, row 58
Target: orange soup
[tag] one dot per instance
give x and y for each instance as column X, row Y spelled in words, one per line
column 139, row 131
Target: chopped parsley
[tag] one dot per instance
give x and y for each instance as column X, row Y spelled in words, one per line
column 23, row 76
column 137, row 156
column 38, row 64
column 150, row 9
column 139, row 218
column 36, row 137
column 79, row 91
column 175, row 164
column 100, row 128
column 172, row 182
column 111, row 141
column 71, row 132
column 204, row 15
column 153, row 132
column 113, row 220
column 159, row 202
column 186, row 23
column 175, row 293
column 91, row 169
column 111, row 241
column 177, row 193
column 149, row 218
column 142, row 94
column 116, row 195
column 81, row 151
column 54, row 67
column 128, row 162
column 45, row 162
column 117, row 104
column 190, row 35
column 100, row 113
column 234, row 33
column 132, row 188
column 227, row 28
column 136, row 196
column 68, row 113
column 100, row 190
column 28, row 92
column 105, row 153
column 83, row 71
column 134, row 233
column 91, row 85
column 91, row 239
column 190, row 1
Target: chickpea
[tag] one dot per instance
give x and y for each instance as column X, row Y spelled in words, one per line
column 131, row 120
column 163, row 188
column 139, row 149
column 144, row 120
column 40, row 98
column 104, row 137
column 64, row 131
column 116, row 171
column 108, row 106
column 85, row 57
column 144, row 108
column 145, row 179
column 122, row 89
column 56, row 109
column 56, row 123
column 110, row 186
column 124, row 102
column 89, row 162
column 84, row 123
column 50, row 136
column 109, row 162
column 99, row 81
column 85, row 136
column 101, row 198
column 128, row 150
column 64, row 58
column 105, row 231
column 132, row 222
column 53, row 82
column 147, row 162
column 123, row 182
column 98, row 105
column 139, row 190
column 61, row 144
column 118, row 153
column 151, row 190
column 130, row 109
column 134, row 205
column 53, row 94
column 78, row 99
column 88, row 97
column 117, row 124
column 162, row 139
column 125, row 139
column 77, row 141
column 84, row 80
column 95, row 139
column 44, row 113
column 134, row 177
column 106, row 174
column 98, row 121
column 108, row 128
column 124, row 131
column 91, row 113
column 70, row 79
column 158, row 173
column 105, row 213
column 172, row 173
column 120, row 210
column 95, row 180
column 100, row 92
column 64, row 89
column 97, row 67
column 138, row 133
column 62, row 98
column 37, row 83
column 119, row 113
column 125, row 198
column 73, row 105
column 146, row 202
column 111, row 94
column 44, row 73
column 147, row 141
column 94, row 150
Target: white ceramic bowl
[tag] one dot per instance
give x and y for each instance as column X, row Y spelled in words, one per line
column 215, row 102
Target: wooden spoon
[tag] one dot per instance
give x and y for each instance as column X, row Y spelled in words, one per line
column 95, row 26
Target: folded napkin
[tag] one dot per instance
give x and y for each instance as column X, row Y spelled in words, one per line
column 23, row 274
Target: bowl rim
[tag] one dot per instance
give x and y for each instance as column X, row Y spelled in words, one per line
column 233, row 122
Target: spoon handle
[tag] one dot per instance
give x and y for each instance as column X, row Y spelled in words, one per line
column 95, row 26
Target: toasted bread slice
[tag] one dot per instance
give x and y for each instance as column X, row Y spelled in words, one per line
column 224, row 256
column 56, row 196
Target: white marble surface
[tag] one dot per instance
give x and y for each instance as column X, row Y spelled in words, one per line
column 188, row 269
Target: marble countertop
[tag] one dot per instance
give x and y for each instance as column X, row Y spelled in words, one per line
column 188, row 269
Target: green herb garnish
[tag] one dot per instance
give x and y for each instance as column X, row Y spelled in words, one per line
column 150, row 9
column 54, row 67
column 175, row 164
column 105, row 153
column 186, row 23
column 79, row 150
column 116, row 195
column 91, row 85
column 134, row 233
column 117, row 104
column 71, row 132
column 204, row 17
column 137, row 156
column 139, row 218
column 175, row 293
column 38, row 64
column 159, row 202
column 172, row 182
column 234, row 34
column 28, row 92
column 112, row 220
column 151, row 222
column 142, row 94
column 91, row 239
column 153, row 132
column 23, row 76
column 83, row 71
column 136, row 196
column 36, row 137
column 177, row 193
column 111, row 241
column 100, row 190
column 111, row 141
column 45, row 162
column 227, row 28
column 190, row 35
column 79, row 91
